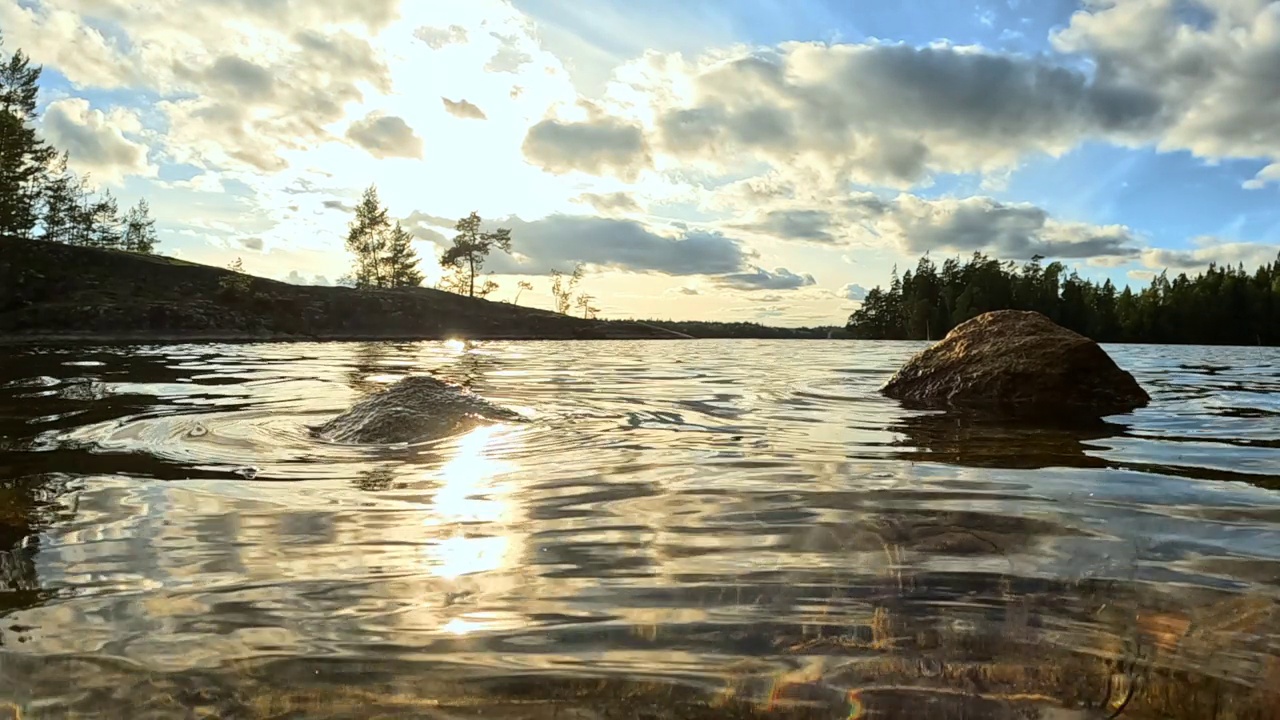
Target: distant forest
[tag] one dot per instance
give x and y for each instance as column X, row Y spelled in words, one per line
column 1221, row 306
column 718, row 330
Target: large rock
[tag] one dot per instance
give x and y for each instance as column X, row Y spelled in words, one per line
column 1020, row 362
column 415, row 409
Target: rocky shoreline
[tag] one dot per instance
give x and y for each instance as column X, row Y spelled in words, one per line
column 52, row 293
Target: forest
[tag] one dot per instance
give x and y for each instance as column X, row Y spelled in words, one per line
column 1220, row 306
column 39, row 196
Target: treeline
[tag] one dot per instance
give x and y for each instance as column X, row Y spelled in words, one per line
column 1221, row 306
column 708, row 329
column 39, row 197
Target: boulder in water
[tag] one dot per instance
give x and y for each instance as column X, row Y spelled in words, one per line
column 1020, row 362
column 415, row 409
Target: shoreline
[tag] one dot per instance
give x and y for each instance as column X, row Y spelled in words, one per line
column 123, row 340
column 234, row 338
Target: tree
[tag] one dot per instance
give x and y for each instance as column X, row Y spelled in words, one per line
column 367, row 240
column 402, row 259
column 521, row 287
column 59, row 199
column 384, row 253
column 82, row 212
column 584, row 305
column 24, row 157
column 104, row 223
column 140, row 229
column 466, row 257
column 562, row 293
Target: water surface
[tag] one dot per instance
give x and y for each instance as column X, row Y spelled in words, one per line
column 685, row 529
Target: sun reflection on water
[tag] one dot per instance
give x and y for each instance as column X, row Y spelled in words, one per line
column 477, row 508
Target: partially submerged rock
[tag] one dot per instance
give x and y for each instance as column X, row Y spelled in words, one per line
column 1020, row 362
column 415, row 409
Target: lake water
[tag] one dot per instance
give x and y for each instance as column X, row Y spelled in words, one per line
column 704, row 529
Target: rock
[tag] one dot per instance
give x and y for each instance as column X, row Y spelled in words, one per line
column 415, row 409
column 1019, row 362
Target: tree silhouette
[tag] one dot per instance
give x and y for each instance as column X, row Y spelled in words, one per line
column 464, row 260
column 140, row 229
column 383, row 251
column 24, row 157
column 561, row 292
column 1222, row 305
column 521, row 287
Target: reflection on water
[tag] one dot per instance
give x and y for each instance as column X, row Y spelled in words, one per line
column 693, row 529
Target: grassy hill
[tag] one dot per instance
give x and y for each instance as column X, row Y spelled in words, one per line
column 52, row 292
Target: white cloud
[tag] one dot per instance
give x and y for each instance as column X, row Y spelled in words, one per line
column 1211, row 250
column 385, row 136
column 560, row 241
column 852, row 291
column 463, row 109
column 437, row 38
column 600, row 146
column 757, row 278
column 1212, row 65
column 97, row 141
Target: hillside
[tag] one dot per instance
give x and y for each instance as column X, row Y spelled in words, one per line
column 53, row 292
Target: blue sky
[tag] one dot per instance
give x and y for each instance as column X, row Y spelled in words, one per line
column 731, row 159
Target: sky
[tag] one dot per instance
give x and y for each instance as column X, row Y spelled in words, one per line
column 751, row 160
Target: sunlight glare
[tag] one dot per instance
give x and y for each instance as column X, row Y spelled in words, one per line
column 467, row 494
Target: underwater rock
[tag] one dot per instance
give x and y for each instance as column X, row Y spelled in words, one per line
column 415, row 409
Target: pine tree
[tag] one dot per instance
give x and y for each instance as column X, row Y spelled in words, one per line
column 140, row 229
column 24, row 157
column 82, row 212
column 466, row 258
column 105, row 224
column 402, row 259
column 58, row 201
column 367, row 240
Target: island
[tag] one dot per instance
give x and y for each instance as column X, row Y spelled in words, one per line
column 54, row 292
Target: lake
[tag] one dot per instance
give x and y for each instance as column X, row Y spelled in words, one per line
column 727, row 529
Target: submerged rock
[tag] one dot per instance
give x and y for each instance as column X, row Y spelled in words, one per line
column 414, row 409
column 1020, row 362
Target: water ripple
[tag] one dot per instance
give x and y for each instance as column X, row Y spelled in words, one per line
column 705, row 529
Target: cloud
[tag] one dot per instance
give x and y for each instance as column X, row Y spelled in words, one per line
column 1211, row 64
column 683, row 290
column 385, row 136
column 251, row 243
column 979, row 224
column 559, row 241
column 1211, row 250
column 852, row 291
column 601, row 146
column 95, row 140
column 811, row 225
column 760, row 279
column 245, row 79
column 437, row 38
column 294, row 70
column 296, row 278
column 509, row 57
column 463, row 109
column 611, row 203
column 876, row 112
column 914, row 225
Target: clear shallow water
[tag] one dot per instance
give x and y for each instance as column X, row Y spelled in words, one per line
column 687, row 529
